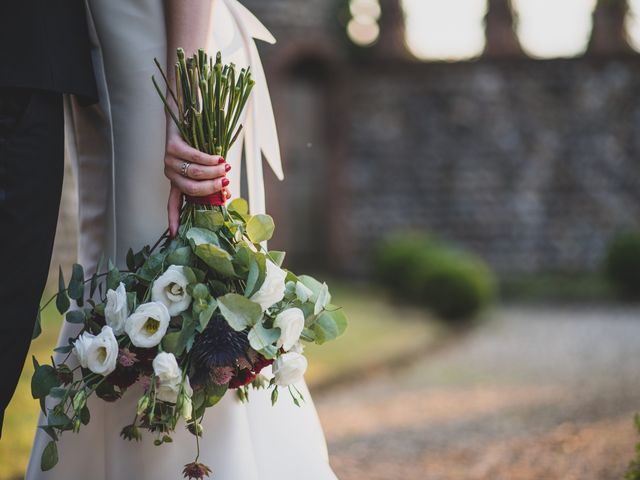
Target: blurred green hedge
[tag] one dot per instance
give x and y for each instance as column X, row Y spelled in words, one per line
column 455, row 285
column 622, row 265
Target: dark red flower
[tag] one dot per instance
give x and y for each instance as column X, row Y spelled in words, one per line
column 242, row 378
column 196, row 471
column 261, row 363
column 123, row 377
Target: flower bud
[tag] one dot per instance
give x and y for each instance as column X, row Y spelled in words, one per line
column 79, row 400
column 143, row 404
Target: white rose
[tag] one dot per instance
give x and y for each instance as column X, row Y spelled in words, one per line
column 273, row 287
column 98, row 353
column 148, row 324
column 324, row 297
column 290, row 322
column 289, row 368
column 303, row 292
column 116, row 312
column 169, row 375
column 170, row 289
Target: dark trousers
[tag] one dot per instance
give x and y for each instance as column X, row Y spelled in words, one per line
column 31, row 171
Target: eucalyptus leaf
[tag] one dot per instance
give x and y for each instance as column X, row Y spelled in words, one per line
column 217, row 259
column 205, row 316
column 75, row 316
column 43, row 380
column 210, row 219
column 214, row 393
column 257, row 274
column 239, row 311
column 76, row 284
column 202, row 236
column 239, row 205
column 180, row 256
column 329, row 325
column 49, row 457
column 113, row 277
column 262, row 339
column 277, row 257
column 260, row 228
column 62, row 300
column 63, row 349
column 37, row 326
column 171, row 343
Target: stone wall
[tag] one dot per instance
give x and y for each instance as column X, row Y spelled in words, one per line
column 532, row 164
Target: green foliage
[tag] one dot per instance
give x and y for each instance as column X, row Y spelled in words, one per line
column 633, row 471
column 239, row 311
column 455, row 285
column 623, row 264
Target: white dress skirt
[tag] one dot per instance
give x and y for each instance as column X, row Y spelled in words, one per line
column 118, row 148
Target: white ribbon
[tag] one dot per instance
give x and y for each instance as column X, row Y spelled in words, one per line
column 234, row 30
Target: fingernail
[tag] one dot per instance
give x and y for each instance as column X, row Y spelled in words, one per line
column 221, row 160
column 225, row 182
column 227, row 167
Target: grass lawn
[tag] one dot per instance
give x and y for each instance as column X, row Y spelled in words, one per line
column 378, row 331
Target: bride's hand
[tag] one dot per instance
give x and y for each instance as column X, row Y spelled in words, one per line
column 191, row 173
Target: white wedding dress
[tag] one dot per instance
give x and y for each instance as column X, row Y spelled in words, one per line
column 118, row 148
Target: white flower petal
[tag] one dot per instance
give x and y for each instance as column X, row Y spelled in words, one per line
column 148, row 324
column 170, row 289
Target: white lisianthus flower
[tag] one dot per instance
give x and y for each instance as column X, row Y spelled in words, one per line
column 298, row 348
column 291, row 323
column 273, row 287
column 98, row 353
column 116, row 310
column 289, row 368
column 303, row 292
column 170, row 289
column 169, row 375
column 324, row 297
column 148, row 324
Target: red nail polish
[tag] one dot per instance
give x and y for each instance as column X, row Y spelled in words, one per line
column 221, row 160
column 225, row 182
column 227, row 167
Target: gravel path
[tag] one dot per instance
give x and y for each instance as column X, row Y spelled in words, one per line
column 535, row 394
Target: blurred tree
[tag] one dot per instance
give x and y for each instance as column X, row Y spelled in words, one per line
column 609, row 34
column 502, row 40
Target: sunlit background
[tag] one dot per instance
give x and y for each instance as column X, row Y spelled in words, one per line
column 453, row 29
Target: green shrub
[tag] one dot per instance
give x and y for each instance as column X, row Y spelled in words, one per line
column 455, row 285
column 623, row 264
column 395, row 256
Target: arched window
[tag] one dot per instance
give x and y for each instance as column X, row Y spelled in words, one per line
column 445, row 29
column 554, row 28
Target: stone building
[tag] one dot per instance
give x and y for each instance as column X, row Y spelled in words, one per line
column 533, row 164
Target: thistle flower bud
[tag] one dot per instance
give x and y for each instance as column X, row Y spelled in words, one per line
column 195, row 429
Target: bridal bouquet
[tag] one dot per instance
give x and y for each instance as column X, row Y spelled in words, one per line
column 194, row 316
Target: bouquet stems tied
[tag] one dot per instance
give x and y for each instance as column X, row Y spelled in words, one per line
column 206, row 104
